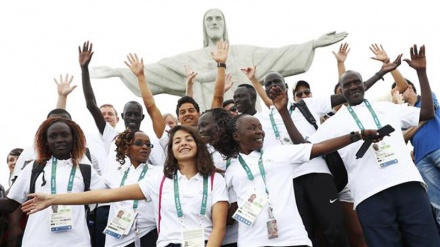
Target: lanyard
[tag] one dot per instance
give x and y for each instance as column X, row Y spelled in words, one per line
column 274, row 125
column 249, row 172
column 177, row 196
column 144, row 171
column 373, row 114
column 53, row 180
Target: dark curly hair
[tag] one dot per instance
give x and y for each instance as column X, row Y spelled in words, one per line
column 40, row 143
column 233, row 147
column 221, row 140
column 204, row 164
column 123, row 141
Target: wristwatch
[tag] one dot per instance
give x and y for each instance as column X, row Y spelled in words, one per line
column 221, row 65
column 355, row 136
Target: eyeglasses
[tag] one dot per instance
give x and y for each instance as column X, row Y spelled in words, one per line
column 141, row 144
column 233, row 108
column 299, row 94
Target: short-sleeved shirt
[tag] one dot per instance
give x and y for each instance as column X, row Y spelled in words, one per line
column 365, row 176
column 279, row 164
column 191, row 191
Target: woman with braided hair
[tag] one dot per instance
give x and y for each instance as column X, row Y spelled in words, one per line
column 60, row 147
column 133, row 149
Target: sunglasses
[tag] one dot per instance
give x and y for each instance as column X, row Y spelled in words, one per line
column 233, row 108
column 141, row 144
column 306, row 92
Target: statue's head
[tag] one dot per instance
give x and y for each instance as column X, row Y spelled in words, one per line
column 214, row 26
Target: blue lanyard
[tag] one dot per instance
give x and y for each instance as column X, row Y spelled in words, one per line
column 373, row 114
column 144, row 171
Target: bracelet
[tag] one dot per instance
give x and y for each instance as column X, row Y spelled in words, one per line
column 380, row 76
column 355, row 136
column 221, row 65
column 363, row 135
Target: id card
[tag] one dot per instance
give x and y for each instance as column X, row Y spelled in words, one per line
column 248, row 212
column 61, row 218
column 384, row 154
column 272, row 229
column 121, row 223
column 193, row 238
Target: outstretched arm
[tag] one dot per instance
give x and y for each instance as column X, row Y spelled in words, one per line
column 382, row 56
column 329, row 39
column 64, row 88
column 336, row 143
column 219, row 56
column 190, row 76
column 250, row 74
column 418, row 62
column 85, row 56
column 41, row 201
column 137, row 67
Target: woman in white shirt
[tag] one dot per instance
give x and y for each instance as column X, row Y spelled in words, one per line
column 189, row 198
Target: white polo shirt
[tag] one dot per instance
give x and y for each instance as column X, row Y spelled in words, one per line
column 278, row 162
column 191, row 200
column 318, row 106
column 365, row 176
column 37, row 232
column 145, row 216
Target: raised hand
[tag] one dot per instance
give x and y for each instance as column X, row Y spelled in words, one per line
column 38, row 202
column 64, row 87
column 279, row 97
column 387, row 67
column 397, row 98
column 85, row 55
column 221, row 53
column 249, row 72
column 342, row 53
column 329, row 39
column 380, row 54
column 136, row 66
column 190, row 74
column 418, row 59
column 228, row 82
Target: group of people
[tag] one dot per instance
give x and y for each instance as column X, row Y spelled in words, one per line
column 234, row 175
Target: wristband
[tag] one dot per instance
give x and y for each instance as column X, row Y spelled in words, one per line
column 221, row 65
column 355, row 136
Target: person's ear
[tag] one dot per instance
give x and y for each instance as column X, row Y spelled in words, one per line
column 236, row 137
column 122, row 115
column 143, row 116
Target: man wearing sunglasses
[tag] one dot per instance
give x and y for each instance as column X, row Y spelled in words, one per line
column 301, row 91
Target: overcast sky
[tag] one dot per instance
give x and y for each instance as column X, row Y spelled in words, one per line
column 39, row 40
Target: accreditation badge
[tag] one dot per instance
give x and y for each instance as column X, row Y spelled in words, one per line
column 384, row 153
column 193, row 237
column 121, row 223
column 61, row 218
column 249, row 211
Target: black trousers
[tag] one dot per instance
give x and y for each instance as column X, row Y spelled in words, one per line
column 317, row 201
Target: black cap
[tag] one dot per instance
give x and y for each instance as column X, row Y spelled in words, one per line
column 301, row 83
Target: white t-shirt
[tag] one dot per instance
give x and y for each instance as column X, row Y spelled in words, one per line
column 145, row 216
column 279, row 164
column 37, row 232
column 366, row 177
column 191, row 199
column 318, row 106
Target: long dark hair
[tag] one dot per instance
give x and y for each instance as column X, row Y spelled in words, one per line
column 203, row 162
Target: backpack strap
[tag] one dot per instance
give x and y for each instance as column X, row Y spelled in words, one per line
column 88, row 155
column 36, row 170
column 212, row 180
column 160, row 203
column 306, row 113
column 86, row 171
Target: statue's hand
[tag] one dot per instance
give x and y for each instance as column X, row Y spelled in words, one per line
column 104, row 72
column 329, row 39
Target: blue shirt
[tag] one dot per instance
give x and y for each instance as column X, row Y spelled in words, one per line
column 427, row 138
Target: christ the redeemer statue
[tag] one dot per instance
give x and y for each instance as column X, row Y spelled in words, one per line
column 168, row 75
